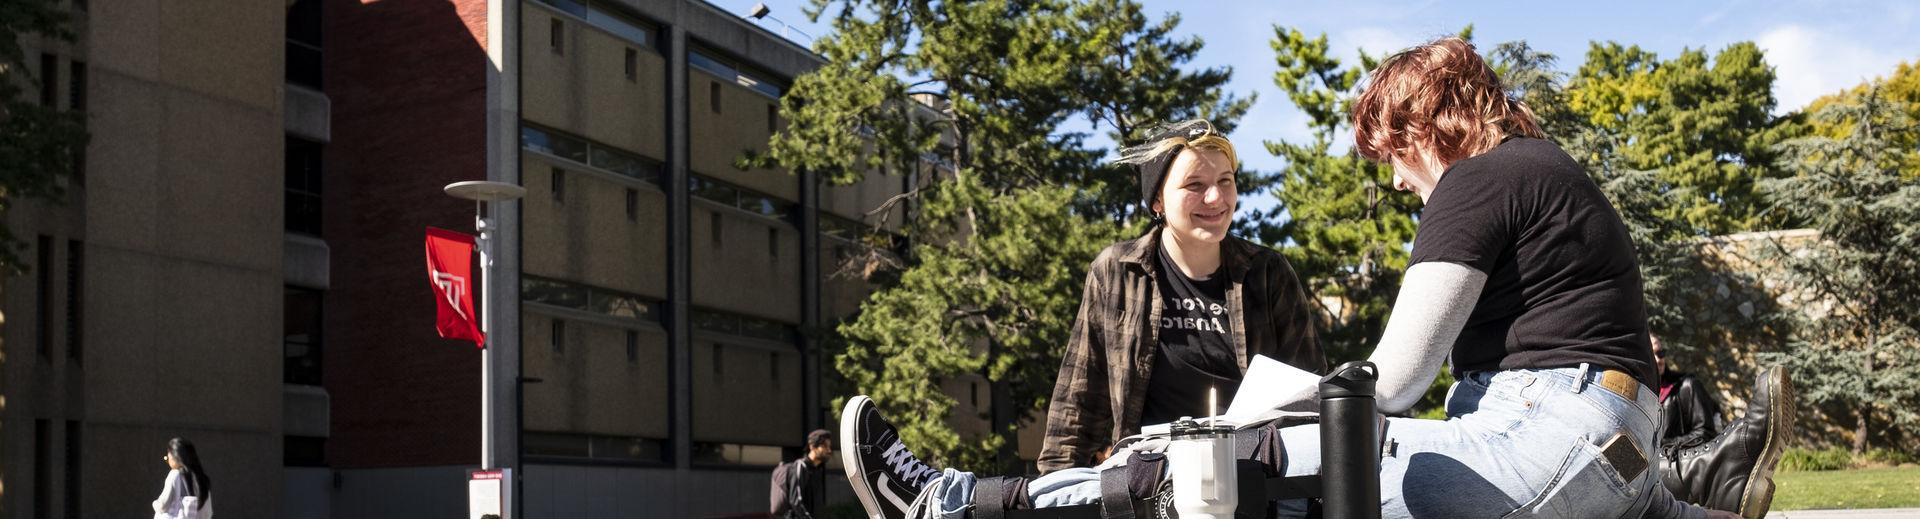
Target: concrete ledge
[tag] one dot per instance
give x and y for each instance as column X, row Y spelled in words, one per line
column 307, row 114
column 307, row 262
column 307, row 411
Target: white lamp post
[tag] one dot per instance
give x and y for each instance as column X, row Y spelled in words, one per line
column 481, row 192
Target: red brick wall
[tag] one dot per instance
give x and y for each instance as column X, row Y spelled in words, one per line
column 408, row 85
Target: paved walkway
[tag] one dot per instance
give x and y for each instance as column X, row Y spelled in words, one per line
column 1885, row 513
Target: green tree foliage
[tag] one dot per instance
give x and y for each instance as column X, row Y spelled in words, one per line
column 1341, row 223
column 1902, row 88
column 1858, row 345
column 1010, row 204
column 1704, row 127
column 38, row 144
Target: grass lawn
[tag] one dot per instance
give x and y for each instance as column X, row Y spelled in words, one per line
column 1896, row 487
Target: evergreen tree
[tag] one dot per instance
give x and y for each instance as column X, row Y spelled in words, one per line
column 1009, row 208
column 1858, row 344
column 1703, row 127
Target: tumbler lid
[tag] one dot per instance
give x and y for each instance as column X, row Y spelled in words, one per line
column 1353, row 379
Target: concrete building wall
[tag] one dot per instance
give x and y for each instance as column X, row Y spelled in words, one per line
column 176, row 238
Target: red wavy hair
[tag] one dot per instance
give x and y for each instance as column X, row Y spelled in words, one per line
column 1441, row 96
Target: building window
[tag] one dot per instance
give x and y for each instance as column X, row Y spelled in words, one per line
column 559, row 184
column 74, row 485
column 304, row 172
column 49, row 78
column 77, row 86
column 718, row 353
column 597, row 300
column 557, row 36
column 76, row 266
column 633, row 348
column 304, row 451
column 773, row 365
column 593, row 154
column 713, row 95
column 633, row 205
column 302, row 311
column 80, row 5
column 717, row 231
column 559, row 337
column 599, row 448
column 42, row 470
column 709, row 454
column 43, row 273
column 633, row 65
column 773, row 118
column 304, row 63
column 773, row 243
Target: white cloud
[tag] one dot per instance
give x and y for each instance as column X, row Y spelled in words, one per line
column 1810, row 63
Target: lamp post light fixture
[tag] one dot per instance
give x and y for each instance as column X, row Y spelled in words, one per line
column 482, row 192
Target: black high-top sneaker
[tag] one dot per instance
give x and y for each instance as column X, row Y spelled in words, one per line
column 885, row 474
column 1734, row 472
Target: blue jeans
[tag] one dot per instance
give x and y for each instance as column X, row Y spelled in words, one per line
column 1519, row 443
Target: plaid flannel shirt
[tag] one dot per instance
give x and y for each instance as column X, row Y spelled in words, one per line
column 1100, row 392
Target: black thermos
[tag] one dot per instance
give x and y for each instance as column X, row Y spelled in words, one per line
column 1350, row 443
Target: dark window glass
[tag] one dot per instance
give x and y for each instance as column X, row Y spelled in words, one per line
column 74, row 485
column 718, row 231
column 305, row 451
column 42, row 469
column 555, row 144
column 43, row 273
column 633, row 348
column 773, row 118
column 559, row 337
column 713, row 95
column 49, row 80
column 301, row 330
column 77, row 86
column 557, row 37
column 554, row 445
column 558, row 184
column 633, row 205
column 633, row 67
column 76, row 297
column 304, row 172
column 304, row 44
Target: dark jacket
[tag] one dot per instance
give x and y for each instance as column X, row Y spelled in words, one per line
column 1100, row 392
column 1690, row 414
column 799, row 489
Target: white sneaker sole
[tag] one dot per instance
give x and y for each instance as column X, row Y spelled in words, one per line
column 850, row 447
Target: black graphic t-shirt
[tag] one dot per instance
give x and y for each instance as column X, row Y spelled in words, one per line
column 1196, row 347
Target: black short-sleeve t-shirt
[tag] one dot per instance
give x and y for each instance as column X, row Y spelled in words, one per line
column 1563, row 287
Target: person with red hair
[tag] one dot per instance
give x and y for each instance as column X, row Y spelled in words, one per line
column 1523, row 278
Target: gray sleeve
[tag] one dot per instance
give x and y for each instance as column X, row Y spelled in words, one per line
column 1434, row 302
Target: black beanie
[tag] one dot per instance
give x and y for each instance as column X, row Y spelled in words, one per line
column 1153, row 171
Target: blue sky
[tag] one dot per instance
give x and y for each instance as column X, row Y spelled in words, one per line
column 1815, row 46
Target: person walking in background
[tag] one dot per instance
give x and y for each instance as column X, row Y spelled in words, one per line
column 188, row 491
column 800, row 486
column 1690, row 415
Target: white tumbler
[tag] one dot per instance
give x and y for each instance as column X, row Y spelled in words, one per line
column 1205, row 482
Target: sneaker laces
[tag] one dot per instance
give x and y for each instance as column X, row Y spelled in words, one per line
column 903, row 463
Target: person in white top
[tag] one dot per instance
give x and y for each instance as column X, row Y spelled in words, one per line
column 188, row 493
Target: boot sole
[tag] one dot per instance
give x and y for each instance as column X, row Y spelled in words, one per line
column 1758, row 496
column 850, row 460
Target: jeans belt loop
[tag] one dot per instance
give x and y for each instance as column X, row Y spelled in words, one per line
column 1580, row 382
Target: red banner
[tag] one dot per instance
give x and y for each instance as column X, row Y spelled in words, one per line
column 450, row 269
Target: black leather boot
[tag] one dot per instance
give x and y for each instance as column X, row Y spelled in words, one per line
column 1734, row 472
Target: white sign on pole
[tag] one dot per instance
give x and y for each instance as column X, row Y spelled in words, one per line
column 488, row 493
